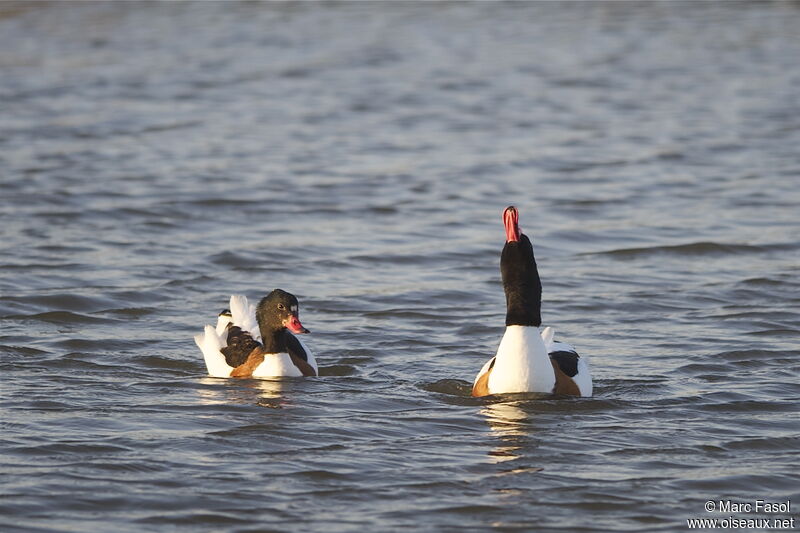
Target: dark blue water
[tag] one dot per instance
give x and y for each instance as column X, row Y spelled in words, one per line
column 155, row 158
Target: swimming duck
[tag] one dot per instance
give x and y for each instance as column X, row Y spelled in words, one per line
column 257, row 341
column 528, row 360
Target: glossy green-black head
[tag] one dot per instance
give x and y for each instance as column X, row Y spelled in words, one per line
column 278, row 310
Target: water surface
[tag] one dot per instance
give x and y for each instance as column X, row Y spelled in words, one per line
column 155, row 158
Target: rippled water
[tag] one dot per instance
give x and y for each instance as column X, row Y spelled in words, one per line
column 155, row 158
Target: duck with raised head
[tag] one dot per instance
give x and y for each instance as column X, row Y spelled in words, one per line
column 528, row 360
column 258, row 341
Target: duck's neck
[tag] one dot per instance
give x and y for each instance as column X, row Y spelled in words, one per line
column 523, row 310
column 274, row 340
column 521, row 284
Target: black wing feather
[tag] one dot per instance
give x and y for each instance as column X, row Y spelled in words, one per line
column 566, row 361
column 240, row 345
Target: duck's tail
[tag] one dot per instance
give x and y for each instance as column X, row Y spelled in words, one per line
column 547, row 336
column 223, row 320
column 553, row 345
column 210, row 344
column 243, row 314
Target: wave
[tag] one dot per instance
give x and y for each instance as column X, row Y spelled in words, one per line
column 697, row 249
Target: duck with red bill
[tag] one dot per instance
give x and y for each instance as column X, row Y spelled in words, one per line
column 528, row 360
column 258, row 341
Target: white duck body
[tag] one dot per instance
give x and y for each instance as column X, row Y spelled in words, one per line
column 584, row 378
column 210, row 344
column 280, row 364
column 213, row 339
column 522, row 363
column 277, row 365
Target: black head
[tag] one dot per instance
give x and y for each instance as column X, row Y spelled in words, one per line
column 277, row 311
column 521, row 281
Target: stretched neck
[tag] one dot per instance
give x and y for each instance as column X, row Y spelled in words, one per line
column 521, row 284
column 274, row 340
column 519, row 314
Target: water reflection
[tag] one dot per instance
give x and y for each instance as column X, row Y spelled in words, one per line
column 511, row 424
column 263, row 392
column 508, row 422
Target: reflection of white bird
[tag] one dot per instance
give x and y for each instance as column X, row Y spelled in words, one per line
column 509, row 422
column 257, row 341
column 265, row 392
column 527, row 360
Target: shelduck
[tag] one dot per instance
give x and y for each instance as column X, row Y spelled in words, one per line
column 528, row 360
column 257, row 341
